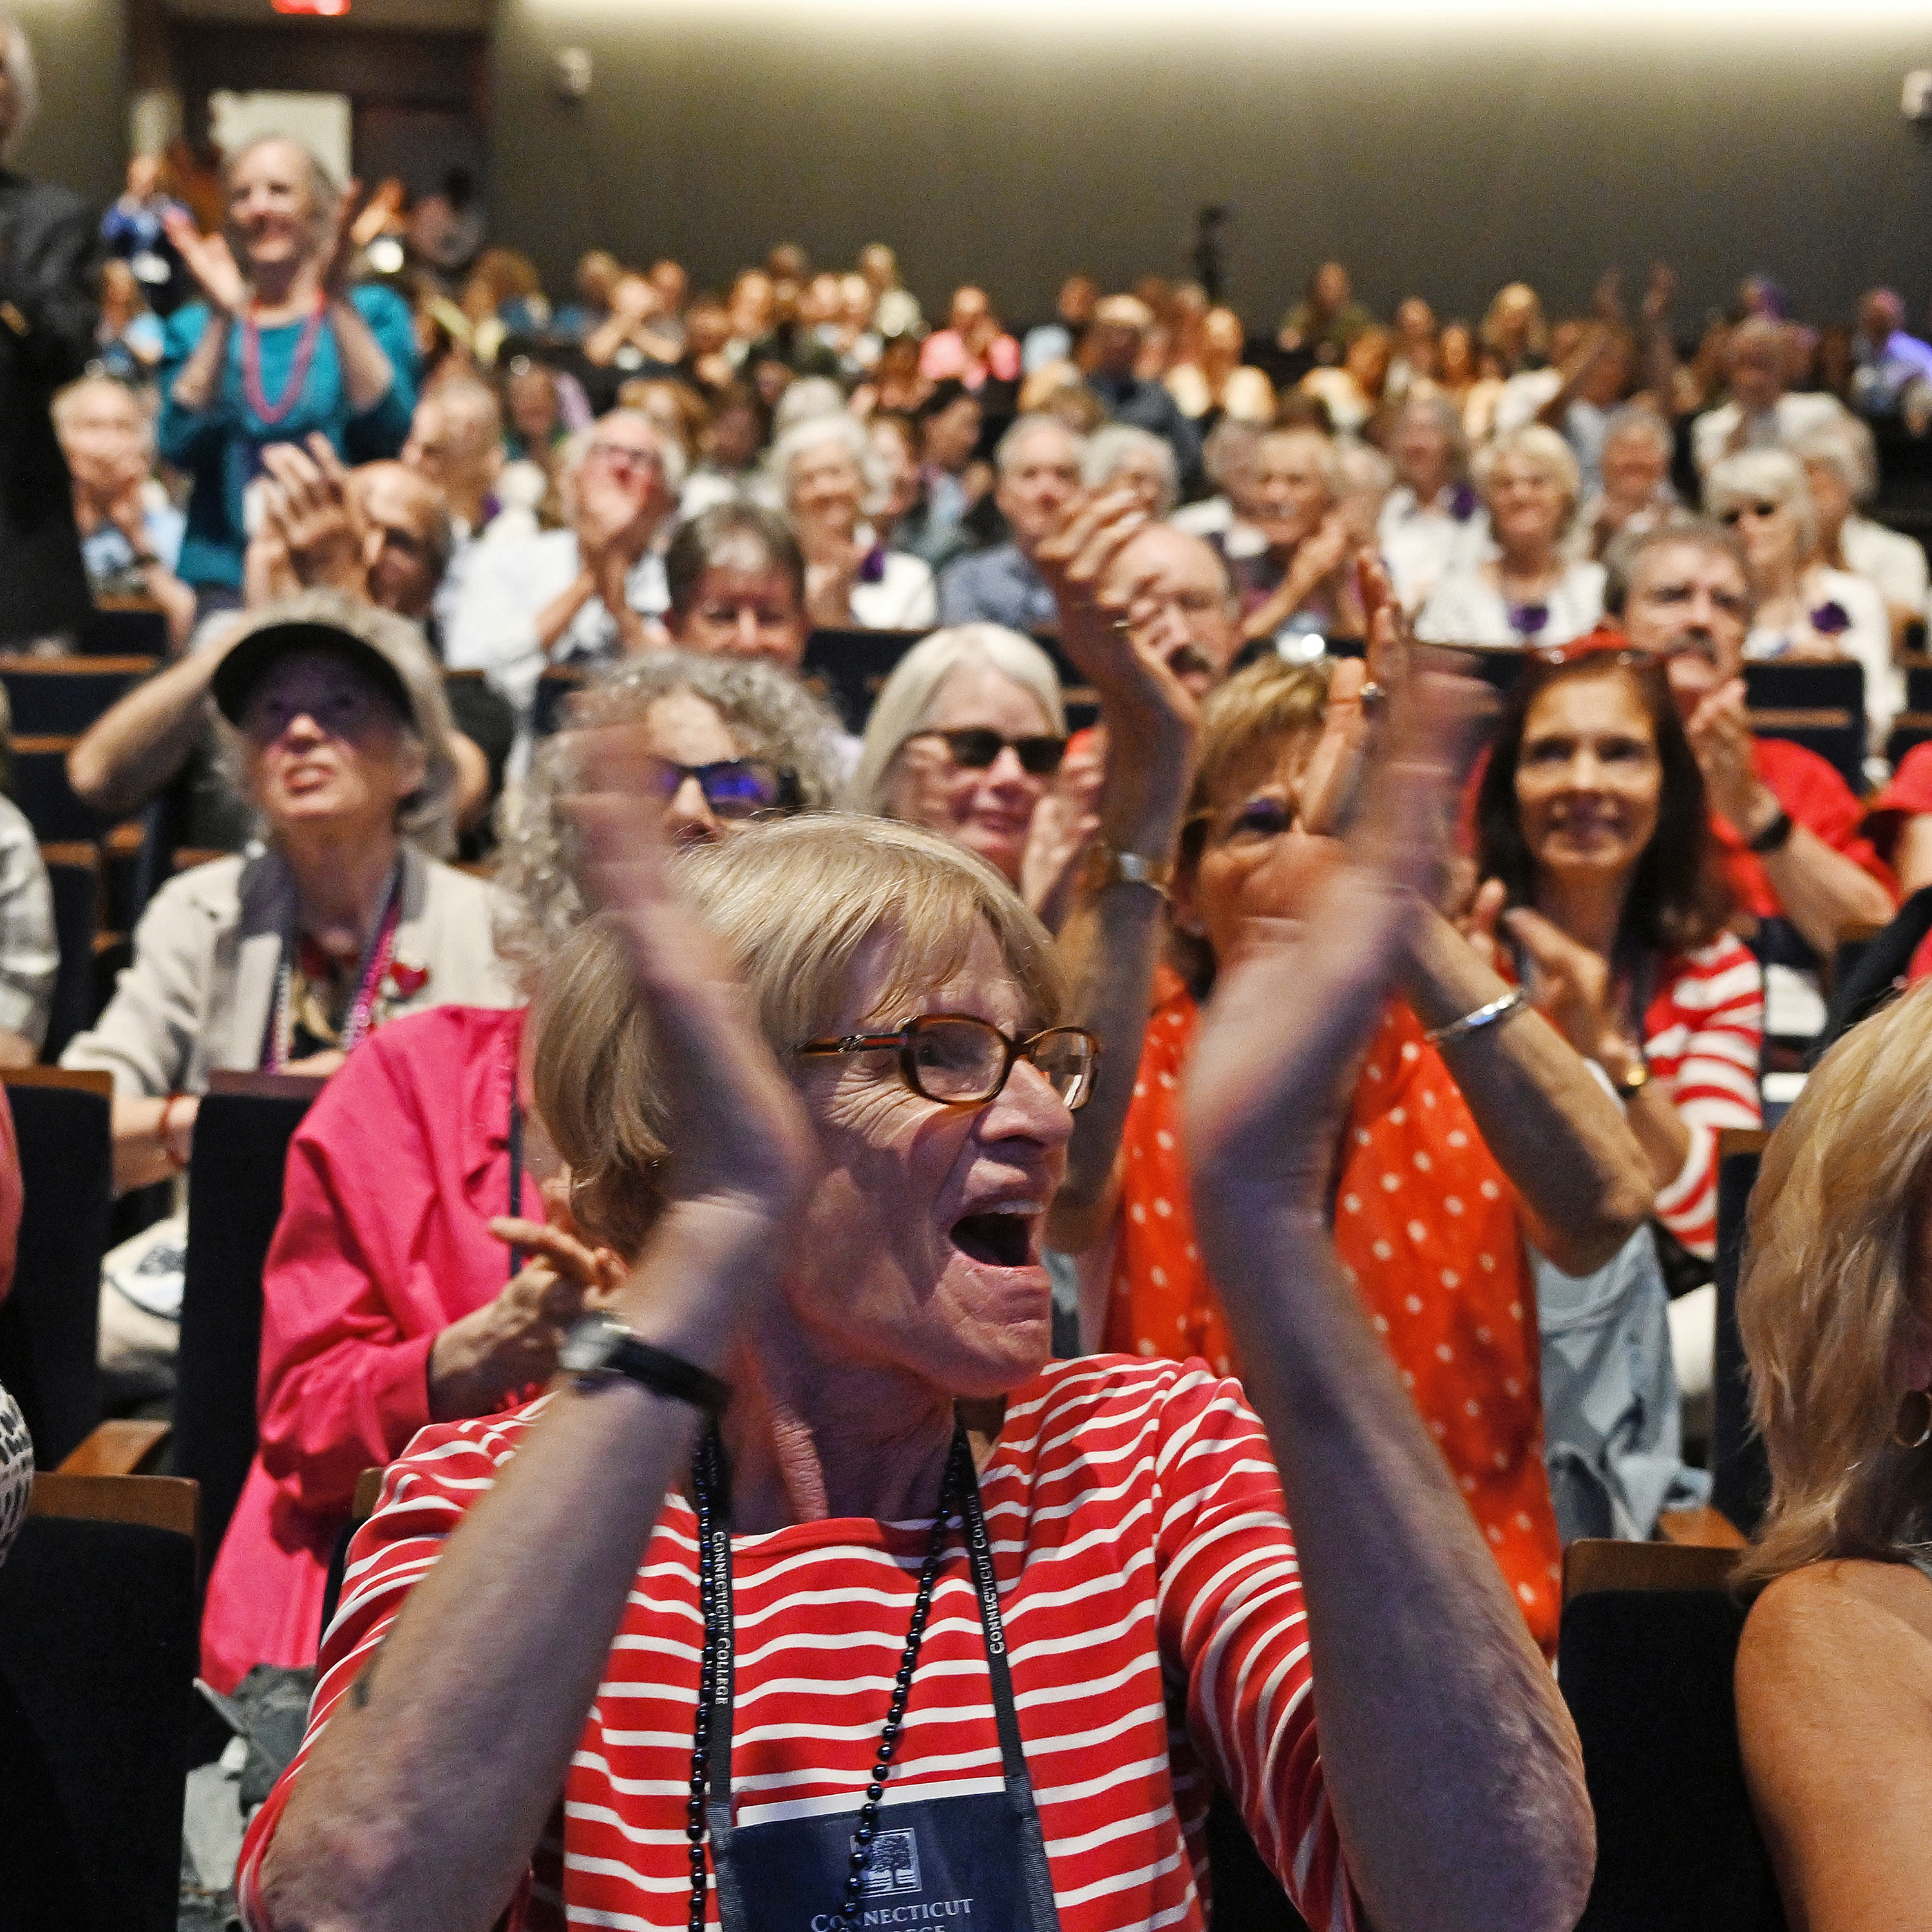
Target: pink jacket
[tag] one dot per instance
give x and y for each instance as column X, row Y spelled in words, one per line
column 382, row 1244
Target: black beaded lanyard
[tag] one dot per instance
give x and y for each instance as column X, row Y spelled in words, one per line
column 711, row 1739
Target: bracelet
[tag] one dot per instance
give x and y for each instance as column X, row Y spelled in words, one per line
column 1107, row 865
column 1775, row 837
column 1497, row 1009
column 176, row 1164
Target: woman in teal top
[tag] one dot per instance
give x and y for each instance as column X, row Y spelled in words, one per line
column 279, row 348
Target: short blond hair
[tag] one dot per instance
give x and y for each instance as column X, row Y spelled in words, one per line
column 1826, row 1301
column 794, row 904
column 1271, row 701
column 1541, row 447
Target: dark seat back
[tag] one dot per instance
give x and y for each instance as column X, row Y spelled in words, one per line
column 1646, row 1673
column 37, row 779
column 66, row 693
column 846, row 668
column 235, row 1199
column 555, row 689
column 97, row 1651
column 1821, row 706
column 1740, row 1477
column 50, row 1323
column 124, row 634
column 73, row 872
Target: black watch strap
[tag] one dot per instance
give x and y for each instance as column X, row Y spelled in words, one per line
column 597, row 1347
column 1775, row 837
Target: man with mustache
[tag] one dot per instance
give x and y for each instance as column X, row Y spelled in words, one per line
column 1787, row 822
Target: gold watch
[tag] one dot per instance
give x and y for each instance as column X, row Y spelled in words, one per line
column 1108, row 865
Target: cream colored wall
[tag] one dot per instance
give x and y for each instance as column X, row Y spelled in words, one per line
column 79, row 48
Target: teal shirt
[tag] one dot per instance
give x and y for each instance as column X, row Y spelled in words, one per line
column 219, row 447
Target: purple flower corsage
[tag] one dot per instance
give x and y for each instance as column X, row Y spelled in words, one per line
column 873, row 570
column 1462, row 501
column 1830, row 619
column 1529, row 620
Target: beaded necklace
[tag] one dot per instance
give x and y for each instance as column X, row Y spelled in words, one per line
column 251, row 364
column 713, row 1557
column 362, row 1008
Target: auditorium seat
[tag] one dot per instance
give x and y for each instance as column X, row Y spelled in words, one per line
column 1821, row 706
column 1649, row 1636
column 49, row 696
column 129, row 630
column 97, row 1651
column 1740, row 1477
column 74, row 873
column 49, row 1323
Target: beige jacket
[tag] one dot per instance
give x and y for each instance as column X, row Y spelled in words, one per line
column 208, row 952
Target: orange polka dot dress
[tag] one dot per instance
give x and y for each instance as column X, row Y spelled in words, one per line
column 1426, row 1228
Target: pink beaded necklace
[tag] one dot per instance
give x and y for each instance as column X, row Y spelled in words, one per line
column 265, row 411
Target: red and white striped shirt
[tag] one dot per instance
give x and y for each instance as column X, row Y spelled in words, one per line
column 1702, row 1037
column 1157, row 1638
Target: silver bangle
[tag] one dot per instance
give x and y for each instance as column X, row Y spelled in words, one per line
column 1497, row 1009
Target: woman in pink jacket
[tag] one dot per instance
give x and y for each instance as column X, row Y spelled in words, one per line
column 387, row 1302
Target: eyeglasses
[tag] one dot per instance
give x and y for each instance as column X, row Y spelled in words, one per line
column 1743, row 510
column 734, row 788
column 975, row 748
column 961, row 1061
column 621, row 456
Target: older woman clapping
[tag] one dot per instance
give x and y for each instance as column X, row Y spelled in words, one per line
column 768, row 1680
column 386, row 1303
column 1530, row 593
column 1805, row 609
column 278, row 348
column 828, row 475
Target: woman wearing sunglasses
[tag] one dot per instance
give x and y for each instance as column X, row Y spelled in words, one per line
column 387, row 1301
column 1806, row 610
column 813, row 1594
column 965, row 739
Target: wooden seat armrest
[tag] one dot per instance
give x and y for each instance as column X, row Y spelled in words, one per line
column 1702, row 1528
column 116, row 1449
column 162, row 1502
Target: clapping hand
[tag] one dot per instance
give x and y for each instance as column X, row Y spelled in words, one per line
column 1571, row 984
column 310, row 507
column 743, row 1149
column 208, row 259
column 1291, row 1013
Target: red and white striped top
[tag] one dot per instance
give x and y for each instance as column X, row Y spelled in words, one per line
column 1156, row 1638
column 1702, row 1036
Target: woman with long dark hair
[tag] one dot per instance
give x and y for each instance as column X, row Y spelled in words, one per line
column 1598, row 861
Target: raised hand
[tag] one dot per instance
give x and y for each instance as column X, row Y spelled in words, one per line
column 742, row 1137
column 338, row 259
column 310, row 506
column 1571, row 984
column 1721, row 738
column 1478, row 924
column 1292, row 1010
column 209, row 260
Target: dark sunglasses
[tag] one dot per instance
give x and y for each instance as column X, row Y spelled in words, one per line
column 1734, row 516
column 734, row 787
column 976, row 748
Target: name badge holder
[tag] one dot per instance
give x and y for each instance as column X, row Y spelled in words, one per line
column 979, row 1861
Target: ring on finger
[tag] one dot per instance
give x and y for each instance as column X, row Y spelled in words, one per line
column 1372, row 695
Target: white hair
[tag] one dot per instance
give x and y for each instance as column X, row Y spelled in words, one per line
column 1755, row 476
column 1365, row 471
column 1108, row 448
column 813, row 434
column 909, row 694
column 809, row 396
column 1843, row 444
column 1542, row 447
column 1633, row 419
column 576, row 447
column 16, row 56
column 1006, row 451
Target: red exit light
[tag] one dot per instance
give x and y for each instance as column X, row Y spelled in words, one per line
column 327, row 8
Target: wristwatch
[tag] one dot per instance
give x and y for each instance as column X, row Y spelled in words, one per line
column 596, row 1348
column 1108, row 865
column 1775, row 837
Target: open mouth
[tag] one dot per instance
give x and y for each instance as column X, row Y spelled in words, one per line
column 997, row 1240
